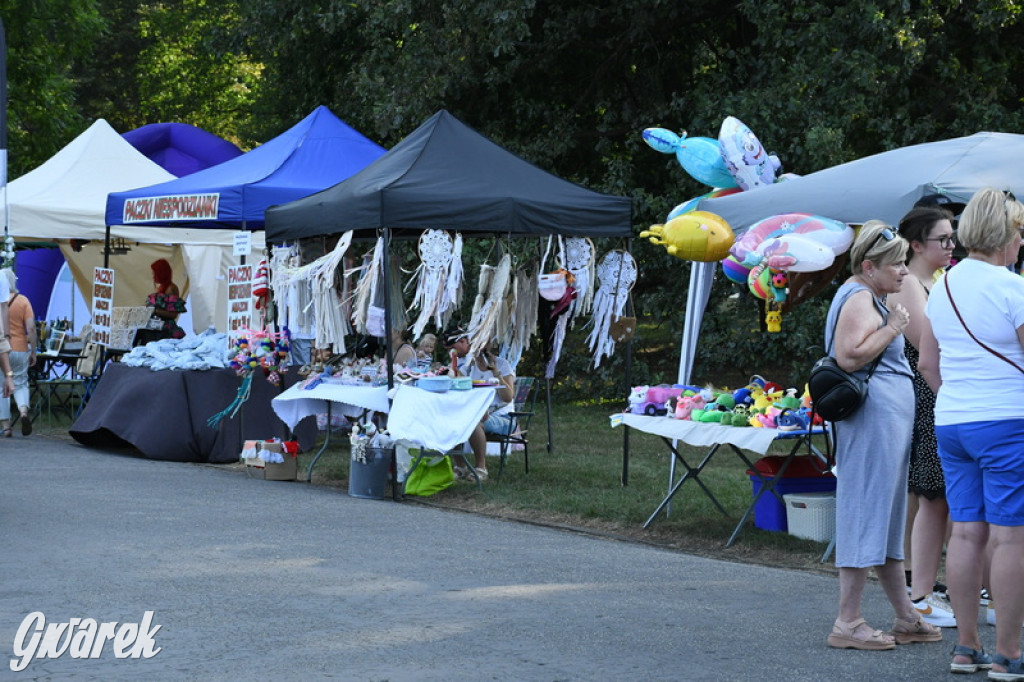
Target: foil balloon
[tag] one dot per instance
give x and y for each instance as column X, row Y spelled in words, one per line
column 701, row 157
column 835, row 235
column 795, row 253
column 744, row 155
column 691, row 205
column 697, row 235
column 767, row 283
column 734, row 270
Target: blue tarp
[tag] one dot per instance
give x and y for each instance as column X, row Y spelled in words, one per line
column 318, row 152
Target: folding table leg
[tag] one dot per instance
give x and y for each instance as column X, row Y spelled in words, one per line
column 691, row 473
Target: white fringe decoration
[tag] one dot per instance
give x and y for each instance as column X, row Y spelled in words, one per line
column 453, row 286
column 491, row 318
column 617, row 274
column 328, row 311
column 366, row 290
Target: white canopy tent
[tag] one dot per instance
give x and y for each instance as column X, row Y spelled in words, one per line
column 65, row 198
column 883, row 186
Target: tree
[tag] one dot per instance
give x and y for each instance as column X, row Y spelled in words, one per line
column 44, row 39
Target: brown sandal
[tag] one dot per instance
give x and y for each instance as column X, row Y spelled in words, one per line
column 911, row 631
column 846, row 636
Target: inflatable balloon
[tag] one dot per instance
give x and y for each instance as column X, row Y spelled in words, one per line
column 795, row 252
column 744, row 155
column 701, row 157
column 697, row 235
column 835, row 235
column 735, row 271
column 691, row 205
column 767, row 284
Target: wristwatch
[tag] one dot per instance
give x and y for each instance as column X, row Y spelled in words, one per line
column 10, row 374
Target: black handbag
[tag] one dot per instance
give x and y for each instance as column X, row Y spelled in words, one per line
column 835, row 393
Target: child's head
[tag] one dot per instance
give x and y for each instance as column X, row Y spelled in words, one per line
column 427, row 344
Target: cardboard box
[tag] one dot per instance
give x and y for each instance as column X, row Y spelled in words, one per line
column 270, row 471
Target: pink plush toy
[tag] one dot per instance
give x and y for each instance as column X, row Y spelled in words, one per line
column 687, row 404
column 767, row 419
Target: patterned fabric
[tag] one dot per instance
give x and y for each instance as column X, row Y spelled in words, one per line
column 925, row 467
column 169, row 303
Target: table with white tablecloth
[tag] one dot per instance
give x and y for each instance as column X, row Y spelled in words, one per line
column 350, row 400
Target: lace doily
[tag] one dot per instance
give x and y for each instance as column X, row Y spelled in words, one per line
column 616, row 270
column 435, row 249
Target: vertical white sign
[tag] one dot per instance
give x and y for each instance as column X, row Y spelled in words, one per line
column 240, row 303
column 242, row 243
column 102, row 304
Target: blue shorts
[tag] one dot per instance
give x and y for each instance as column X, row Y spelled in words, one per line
column 984, row 467
column 497, row 423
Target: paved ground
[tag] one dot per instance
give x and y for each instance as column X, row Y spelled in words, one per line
column 258, row 580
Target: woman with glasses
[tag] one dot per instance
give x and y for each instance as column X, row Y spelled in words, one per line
column 972, row 354
column 872, row 446
column 929, row 231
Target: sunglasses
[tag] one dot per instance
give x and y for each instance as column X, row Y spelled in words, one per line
column 946, row 242
column 887, row 233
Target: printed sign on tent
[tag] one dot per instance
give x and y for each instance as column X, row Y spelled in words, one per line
column 102, row 304
column 240, row 301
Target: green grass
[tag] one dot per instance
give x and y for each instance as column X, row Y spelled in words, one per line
column 578, row 484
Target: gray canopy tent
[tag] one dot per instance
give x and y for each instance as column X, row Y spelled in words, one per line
column 445, row 175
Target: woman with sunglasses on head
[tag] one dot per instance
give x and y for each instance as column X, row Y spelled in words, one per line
column 929, row 231
column 972, row 354
column 872, row 446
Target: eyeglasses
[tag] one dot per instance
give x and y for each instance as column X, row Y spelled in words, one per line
column 887, row 233
column 1008, row 195
column 947, row 241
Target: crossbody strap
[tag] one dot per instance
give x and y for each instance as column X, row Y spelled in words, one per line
column 945, row 281
column 828, row 351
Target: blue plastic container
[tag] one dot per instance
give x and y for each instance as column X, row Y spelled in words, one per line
column 769, row 512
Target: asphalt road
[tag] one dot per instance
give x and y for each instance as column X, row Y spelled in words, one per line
column 258, row 580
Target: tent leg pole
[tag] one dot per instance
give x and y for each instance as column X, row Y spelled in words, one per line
column 547, row 405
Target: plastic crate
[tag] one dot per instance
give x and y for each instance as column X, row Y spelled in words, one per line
column 811, row 516
column 769, row 513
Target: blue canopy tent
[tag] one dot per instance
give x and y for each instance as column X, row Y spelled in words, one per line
column 319, row 151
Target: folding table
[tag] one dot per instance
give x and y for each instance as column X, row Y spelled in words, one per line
column 352, row 400
column 714, row 436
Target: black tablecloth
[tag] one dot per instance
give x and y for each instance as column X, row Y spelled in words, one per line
column 164, row 414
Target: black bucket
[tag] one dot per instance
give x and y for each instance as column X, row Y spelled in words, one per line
column 369, row 479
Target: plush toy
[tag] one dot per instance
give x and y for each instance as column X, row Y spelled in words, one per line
column 260, row 286
column 687, row 404
column 792, row 420
column 773, row 319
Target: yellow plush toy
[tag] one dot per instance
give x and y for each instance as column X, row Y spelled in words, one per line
column 697, row 235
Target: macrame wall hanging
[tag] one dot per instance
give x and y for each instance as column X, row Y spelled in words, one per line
column 490, row 318
column 329, row 319
column 580, row 260
column 523, row 322
column 367, row 311
column 293, row 297
column 617, row 274
column 438, row 280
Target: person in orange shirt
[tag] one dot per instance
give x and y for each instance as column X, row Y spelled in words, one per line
column 22, row 334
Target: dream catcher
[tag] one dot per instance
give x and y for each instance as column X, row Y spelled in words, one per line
column 438, row 279
column 579, row 259
column 491, row 317
column 617, row 275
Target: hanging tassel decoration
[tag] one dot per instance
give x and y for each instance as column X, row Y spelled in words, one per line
column 231, row 410
column 617, row 275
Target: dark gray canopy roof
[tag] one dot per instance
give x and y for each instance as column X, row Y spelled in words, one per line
column 445, row 175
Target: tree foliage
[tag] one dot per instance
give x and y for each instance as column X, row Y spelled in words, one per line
column 567, row 85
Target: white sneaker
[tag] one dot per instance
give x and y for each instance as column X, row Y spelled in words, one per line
column 935, row 611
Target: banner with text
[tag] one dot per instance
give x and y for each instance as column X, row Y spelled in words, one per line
column 240, row 301
column 102, row 304
column 174, row 207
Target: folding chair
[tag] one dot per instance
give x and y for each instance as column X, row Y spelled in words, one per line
column 517, row 435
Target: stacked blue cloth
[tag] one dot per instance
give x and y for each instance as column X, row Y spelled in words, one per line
column 208, row 350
